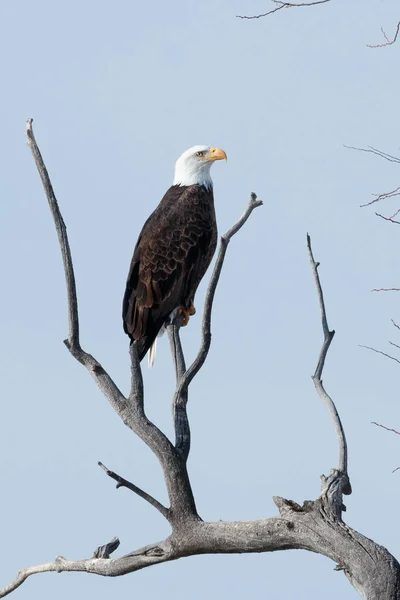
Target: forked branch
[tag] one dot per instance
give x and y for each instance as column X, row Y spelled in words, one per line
column 131, row 408
column 182, row 433
column 317, row 377
column 206, row 326
column 387, row 42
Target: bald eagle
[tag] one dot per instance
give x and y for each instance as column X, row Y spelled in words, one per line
column 173, row 252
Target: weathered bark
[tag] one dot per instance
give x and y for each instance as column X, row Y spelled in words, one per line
column 316, row 526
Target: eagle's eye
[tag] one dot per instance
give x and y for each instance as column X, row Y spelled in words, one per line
column 201, row 153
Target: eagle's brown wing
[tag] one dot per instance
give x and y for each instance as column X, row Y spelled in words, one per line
column 171, row 256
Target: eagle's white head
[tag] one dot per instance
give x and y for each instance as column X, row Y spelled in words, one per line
column 193, row 166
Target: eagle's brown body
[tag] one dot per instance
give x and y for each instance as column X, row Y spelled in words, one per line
column 172, row 254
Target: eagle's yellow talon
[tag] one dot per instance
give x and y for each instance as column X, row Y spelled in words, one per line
column 184, row 313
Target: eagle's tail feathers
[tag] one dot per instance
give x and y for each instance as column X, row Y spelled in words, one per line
column 152, row 353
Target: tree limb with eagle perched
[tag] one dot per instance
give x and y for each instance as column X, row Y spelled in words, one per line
column 316, row 525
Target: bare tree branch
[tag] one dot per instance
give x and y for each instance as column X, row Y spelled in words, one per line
column 372, row 150
column 388, row 42
column 384, row 427
column 386, row 290
column 184, row 378
column 388, row 218
column 181, row 420
column 388, row 429
column 280, row 6
column 182, row 431
column 395, row 324
column 206, row 327
column 121, row 482
column 62, row 237
column 131, row 410
column 328, row 337
column 177, row 351
column 313, row 526
column 383, row 196
column 380, row 352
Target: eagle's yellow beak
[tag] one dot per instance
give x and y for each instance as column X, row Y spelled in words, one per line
column 216, row 154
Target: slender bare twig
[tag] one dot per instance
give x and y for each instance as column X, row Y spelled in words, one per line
column 373, row 150
column 388, row 41
column 395, row 324
column 328, row 337
column 121, row 482
column 384, row 427
column 280, row 6
column 388, row 218
column 383, row 196
column 388, row 429
column 380, row 352
column 206, row 326
column 386, row 290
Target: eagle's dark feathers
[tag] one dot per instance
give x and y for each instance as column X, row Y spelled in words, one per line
column 172, row 254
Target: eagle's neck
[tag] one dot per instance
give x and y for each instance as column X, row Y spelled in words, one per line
column 186, row 175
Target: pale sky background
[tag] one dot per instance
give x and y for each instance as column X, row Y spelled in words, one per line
column 117, row 91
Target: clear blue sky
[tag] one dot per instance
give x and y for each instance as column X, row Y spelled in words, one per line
column 117, row 91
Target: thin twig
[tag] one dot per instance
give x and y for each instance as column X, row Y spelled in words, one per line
column 373, row 150
column 328, row 337
column 395, row 324
column 388, row 429
column 384, row 427
column 206, row 326
column 388, row 41
column 388, row 218
column 380, row 352
column 121, row 482
column 280, row 7
column 386, row 290
column 383, row 196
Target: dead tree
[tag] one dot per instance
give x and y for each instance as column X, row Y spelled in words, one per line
column 316, row 525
